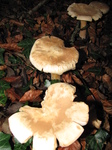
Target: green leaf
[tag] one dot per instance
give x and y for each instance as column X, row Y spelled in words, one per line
column 96, row 56
column 3, row 97
column 26, row 45
column 1, row 56
column 2, row 73
column 4, row 141
column 96, row 70
column 54, row 81
column 19, row 146
column 14, row 60
column 3, row 86
column 96, row 141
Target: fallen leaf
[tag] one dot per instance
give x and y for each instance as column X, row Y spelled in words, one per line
column 15, row 39
column 94, row 95
column 16, row 23
column 92, row 32
column 74, row 146
column 107, row 82
column 88, row 65
column 83, row 143
column 109, row 145
column 107, row 106
column 36, row 80
column 14, row 107
column 77, row 80
column 31, row 95
column 12, row 95
column 12, row 79
column 11, row 46
column 108, row 71
column 67, row 77
column 106, row 124
column 47, row 28
column 5, row 127
column 3, row 67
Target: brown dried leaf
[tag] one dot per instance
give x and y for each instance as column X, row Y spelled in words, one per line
column 48, row 27
column 77, row 80
column 15, row 39
column 12, row 95
column 108, row 71
column 83, row 143
column 74, row 146
column 107, row 106
column 5, row 127
column 12, row 79
column 88, row 65
column 3, row 21
column 13, row 108
column 39, row 19
column 92, row 32
column 3, row 67
column 16, row 23
column 107, row 82
column 31, row 95
column 36, row 80
column 94, row 95
column 11, row 46
column 106, row 124
column 109, row 145
column 106, row 78
column 67, row 77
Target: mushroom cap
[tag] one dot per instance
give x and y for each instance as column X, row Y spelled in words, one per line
column 18, row 125
column 56, row 120
column 48, row 141
column 49, row 55
column 104, row 8
column 84, row 12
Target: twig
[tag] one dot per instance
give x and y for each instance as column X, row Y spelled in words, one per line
column 38, row 6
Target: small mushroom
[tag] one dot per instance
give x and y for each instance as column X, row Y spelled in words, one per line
column 104, row 8
column 49, row 55
column 84, row 13
column 59, row 119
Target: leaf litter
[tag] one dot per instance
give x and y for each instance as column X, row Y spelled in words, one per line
column 21, row 83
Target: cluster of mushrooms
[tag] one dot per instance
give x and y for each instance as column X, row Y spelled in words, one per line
column 60, row 118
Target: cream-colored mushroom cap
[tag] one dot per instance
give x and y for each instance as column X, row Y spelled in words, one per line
column 49, row 55
column 60, row 118
column 84, row 12
column 104, row 8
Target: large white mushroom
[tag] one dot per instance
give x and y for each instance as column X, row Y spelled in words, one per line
column 84, row 13
column 49, row 55
column 59, row 119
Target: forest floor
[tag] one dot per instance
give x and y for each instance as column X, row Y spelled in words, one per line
column 20, row 26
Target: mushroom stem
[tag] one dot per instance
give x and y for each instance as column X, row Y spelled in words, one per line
column 82, row 33
column 55, row 76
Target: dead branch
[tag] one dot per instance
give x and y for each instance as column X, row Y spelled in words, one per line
column 38, row 6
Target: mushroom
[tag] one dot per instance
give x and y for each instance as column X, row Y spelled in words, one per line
column 84, row 13
column 104, row 8
column 49, row 55
column 60, row 118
